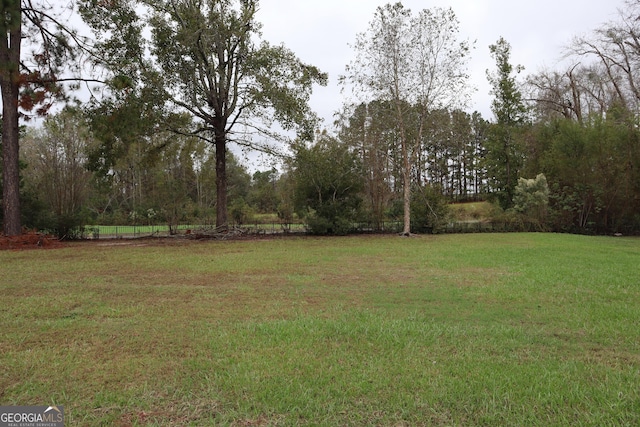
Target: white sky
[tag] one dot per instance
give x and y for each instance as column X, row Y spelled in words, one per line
column 320, row 32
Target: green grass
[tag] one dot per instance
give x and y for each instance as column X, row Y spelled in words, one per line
column 453, row 330
column 472, row 211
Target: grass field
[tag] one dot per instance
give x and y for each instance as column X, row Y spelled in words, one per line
column 451, row 330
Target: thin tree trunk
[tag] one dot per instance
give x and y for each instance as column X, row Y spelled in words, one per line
column 406, row 175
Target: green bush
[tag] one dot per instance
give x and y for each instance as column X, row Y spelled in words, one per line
column 430, row 212
column 241, row 212
column 321, row 225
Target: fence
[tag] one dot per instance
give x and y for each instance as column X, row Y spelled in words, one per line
column 130, row 231
column 163, row 230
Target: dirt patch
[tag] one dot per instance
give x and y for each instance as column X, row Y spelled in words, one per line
column 30, row 240
column 35, row 240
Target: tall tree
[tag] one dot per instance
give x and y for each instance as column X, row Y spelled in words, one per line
column 410, row 60
column 479, row 129
column 10, row 43
column 27, row 82
column 207, row 62
column 504, row 151
column 461, row 152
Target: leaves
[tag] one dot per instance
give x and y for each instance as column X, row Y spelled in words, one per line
column 328, row 181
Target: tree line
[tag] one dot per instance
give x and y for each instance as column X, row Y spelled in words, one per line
column 560, row 153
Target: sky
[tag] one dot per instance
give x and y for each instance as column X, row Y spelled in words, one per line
column 320, row 33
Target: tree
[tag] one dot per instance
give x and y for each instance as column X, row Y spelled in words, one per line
column 504, row 151
column 616, row 47
column 27, row 81
column 429, row 210
column 169, row 191
column 56, row 168
column 593, row 173
column 559, row 94
column 436, row 146
column 604, row 72
column 205, row 60
column 263, row 195
column 328, row 181
column 370, row 133
column 479, row 130
column 410, row 61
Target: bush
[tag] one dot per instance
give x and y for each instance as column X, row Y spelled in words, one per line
column 430, row 212
column 321, row 225
column 328, row 180
column 531, row 198
column 241, row 212
column 69, row 227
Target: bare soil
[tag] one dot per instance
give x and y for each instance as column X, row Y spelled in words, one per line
column 29, row 240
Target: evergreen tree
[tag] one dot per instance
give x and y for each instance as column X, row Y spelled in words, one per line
column 505, row 153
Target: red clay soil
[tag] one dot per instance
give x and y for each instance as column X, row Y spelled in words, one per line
column 29, row 240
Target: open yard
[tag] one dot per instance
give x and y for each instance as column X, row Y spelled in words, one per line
column 452, row 330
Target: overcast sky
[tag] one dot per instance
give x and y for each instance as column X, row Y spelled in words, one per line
column 320, row 32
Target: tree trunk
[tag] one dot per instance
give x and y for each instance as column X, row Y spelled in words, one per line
column 10, row 160
column 406, row 176
column 9, row 77
column 221, row 181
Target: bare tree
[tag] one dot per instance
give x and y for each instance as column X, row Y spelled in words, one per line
column 56, row 160
column 616, row 48
column 410, row 60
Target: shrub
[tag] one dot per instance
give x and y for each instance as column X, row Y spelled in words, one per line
column 430, row 212
column 531, row 198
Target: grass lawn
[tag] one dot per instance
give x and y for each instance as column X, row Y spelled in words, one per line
column 451, row 330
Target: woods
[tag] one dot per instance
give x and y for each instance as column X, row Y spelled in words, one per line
column 183, row 90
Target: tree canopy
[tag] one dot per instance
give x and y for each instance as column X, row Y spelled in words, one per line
column 206, row 58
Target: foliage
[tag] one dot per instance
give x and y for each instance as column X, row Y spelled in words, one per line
column 154, row 144
column 29, row 80
column 286, row 192
column 505, row 151
column 531, row 198
column 205, row 62
column 430, row 211
column 263, row 194
column 592, row 168
column 56, row 169
column 241, row 212
column 413, row 61
column 368, row 128
column 175, row 181
column 328, row 182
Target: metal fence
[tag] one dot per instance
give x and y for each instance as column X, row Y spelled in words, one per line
column 163, row 230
